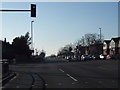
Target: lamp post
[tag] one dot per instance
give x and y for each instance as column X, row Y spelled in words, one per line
column 100, row 34
column 32, row 35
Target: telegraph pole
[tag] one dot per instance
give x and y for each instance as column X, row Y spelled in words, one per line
column 100, row 34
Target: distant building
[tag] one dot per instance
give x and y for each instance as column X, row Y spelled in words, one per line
column 106, row 44
column 96, row 49
column 84, row 50
column 93, row 49
column 115, row 46
column 81, row 50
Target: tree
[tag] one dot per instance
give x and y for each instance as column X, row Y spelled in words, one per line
column 42, row 55
column 92, row 38
column 66, row 52
column 7, row 50
column 90, row 43
column 21, row 45
column 89, row 38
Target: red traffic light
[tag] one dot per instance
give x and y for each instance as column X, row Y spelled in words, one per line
column 34, row 7
column 33, row 10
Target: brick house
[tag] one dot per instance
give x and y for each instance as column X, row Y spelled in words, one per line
column 115, row 46
column 106, row 44
column 80, row 50
column 84, row 50
column 96, row 49
column 93, row 49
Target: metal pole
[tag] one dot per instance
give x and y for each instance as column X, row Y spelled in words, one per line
column 32, row 35
column 100, row 34
column 14, row 10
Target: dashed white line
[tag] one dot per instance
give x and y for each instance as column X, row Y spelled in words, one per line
column 71, row 77
column 86, row 82
column 99, row 81
column 113, row 81
column 73, row 83
column 59, row 83
column 46, row 84
column 17, row 86
column 61, row 70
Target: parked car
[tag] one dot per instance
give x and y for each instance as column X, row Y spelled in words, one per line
column 102, row 56
column 108, row 57
column 86, row 57
column 117, row 56
column 95, row 57
column 90, row 57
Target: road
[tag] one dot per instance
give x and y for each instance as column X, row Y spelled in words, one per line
column 62, row 74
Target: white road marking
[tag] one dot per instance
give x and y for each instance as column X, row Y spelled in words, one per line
column 59, row 83
column 71, row 77
column 17, row 86
column 46, row 84
column 86, row 82
column 99, row 81
column 113, row 81
column 13, row 78
column 73, row 83
column 61, row 70
column 33, row 85
column 6, row 78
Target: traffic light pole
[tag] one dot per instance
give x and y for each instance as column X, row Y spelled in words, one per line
column 33, row 10
column 14, row 10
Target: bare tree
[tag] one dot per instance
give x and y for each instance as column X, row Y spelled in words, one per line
column 92, row 38
column 66, row 51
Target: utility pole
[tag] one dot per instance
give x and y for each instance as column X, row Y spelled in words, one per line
column 100, row 34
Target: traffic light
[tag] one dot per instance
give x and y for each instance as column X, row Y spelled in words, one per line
column 33, row 10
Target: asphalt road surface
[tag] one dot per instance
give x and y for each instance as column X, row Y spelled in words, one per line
column 63, row 74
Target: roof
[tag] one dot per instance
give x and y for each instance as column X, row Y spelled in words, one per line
column 107, row 41
column 116, row 39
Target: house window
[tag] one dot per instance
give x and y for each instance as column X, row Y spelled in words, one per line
column 112, row 44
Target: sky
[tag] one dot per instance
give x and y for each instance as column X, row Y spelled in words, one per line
column 59, row 23
column 60, row 0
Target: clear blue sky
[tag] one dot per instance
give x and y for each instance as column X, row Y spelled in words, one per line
column 60, row 23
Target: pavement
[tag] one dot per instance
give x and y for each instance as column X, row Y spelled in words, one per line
column 7, row 78
column 25, row 80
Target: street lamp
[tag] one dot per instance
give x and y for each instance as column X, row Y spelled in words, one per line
column 100, row 34
column 32, row 35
